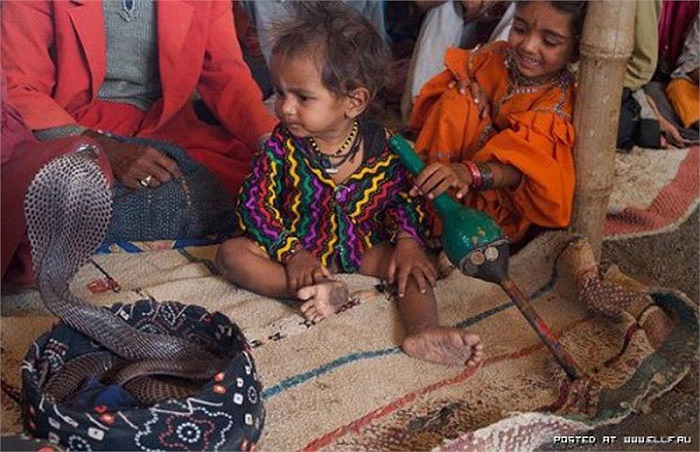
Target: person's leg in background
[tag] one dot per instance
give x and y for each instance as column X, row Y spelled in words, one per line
column 442, row 27
column 629, row 121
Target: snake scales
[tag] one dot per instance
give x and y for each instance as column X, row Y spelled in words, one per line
column 68, row 207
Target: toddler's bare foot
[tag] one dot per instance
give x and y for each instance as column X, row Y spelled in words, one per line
column 445, row 345
column 322, row 300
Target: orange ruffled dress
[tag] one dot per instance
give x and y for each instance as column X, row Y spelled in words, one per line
column 530, row 128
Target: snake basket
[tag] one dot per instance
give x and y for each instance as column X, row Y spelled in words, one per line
column 225, row 413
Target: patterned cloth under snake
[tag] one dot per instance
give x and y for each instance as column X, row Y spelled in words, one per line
column 68, row 208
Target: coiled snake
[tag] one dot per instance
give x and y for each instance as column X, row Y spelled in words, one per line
column 68, row 207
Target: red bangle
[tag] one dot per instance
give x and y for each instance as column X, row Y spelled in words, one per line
column 475, row 173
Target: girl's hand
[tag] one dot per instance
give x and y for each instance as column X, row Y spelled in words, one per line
column 133, row 163
column 439, row 177
column 465, row 87
column 303, row 270
column 480, row 100
column 409, row 260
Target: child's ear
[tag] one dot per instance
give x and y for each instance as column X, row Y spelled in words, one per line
column 358, row 100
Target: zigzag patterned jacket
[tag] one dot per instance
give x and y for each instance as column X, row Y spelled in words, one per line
column 288, row 198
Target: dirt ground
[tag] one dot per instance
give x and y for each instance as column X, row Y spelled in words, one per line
column 667, row 260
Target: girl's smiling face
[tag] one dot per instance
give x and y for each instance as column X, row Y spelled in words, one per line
column 541, row 39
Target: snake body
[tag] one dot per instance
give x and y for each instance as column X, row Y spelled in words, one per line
column 68, row 207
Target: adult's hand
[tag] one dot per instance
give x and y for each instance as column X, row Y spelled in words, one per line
column 670, row 136
column 134, row 163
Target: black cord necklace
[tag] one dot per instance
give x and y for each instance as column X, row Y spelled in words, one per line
column 346, row 152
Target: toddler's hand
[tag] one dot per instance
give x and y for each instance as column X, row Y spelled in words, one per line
column 303, row 270
column 409, row 260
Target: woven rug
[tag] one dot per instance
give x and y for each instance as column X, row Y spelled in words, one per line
column 345, row 383
column 654, row 191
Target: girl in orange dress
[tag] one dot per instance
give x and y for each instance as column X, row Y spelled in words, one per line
column 496, row 126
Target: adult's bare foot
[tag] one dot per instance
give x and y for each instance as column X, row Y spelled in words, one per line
column 322, row 300
column 445, row 345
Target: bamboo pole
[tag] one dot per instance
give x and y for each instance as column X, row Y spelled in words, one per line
column 605, row 48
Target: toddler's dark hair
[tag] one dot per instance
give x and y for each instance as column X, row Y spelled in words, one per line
column 347, row 48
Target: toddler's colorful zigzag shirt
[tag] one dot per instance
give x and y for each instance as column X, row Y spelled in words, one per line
column 288, row 198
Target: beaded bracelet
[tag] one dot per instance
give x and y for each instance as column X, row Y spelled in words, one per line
column 487, row 181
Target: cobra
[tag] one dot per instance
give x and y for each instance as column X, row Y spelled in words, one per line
column 68, row 207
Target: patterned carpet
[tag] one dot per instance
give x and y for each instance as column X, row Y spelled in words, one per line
column 345, row 383
column 654, row 191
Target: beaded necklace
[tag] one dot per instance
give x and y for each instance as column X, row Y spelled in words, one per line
column 346, row 152
column 517, row 84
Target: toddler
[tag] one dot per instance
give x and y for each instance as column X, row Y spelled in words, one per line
column 327, row 195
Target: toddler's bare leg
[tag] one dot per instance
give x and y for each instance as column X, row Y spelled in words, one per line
column 425, row 338
column 322, row 300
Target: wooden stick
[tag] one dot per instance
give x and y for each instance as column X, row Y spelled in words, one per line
column 605, row 49
column 541, row 328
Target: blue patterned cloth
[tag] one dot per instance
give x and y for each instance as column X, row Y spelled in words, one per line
column 227, row 413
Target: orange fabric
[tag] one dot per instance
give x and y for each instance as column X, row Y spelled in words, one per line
column 683, row 95
column 530, row 128
column 54, row 73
